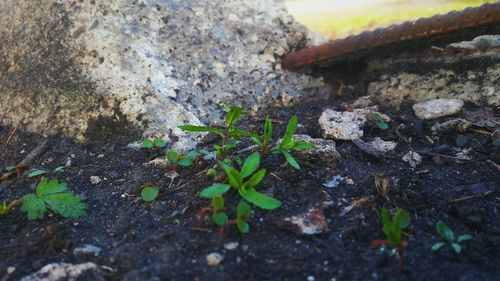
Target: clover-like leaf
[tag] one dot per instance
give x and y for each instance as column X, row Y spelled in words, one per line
column 220, row 218
column 218, row 202
column 65, row 204
column 214, row 190
column 185, row 161
column 243, row 215
column 438, row 246
column 147, row 143
column 172, row 156
column 149, row 193
column 34, row 206
column 445, row 232
column 464, row 237
column 160, row 143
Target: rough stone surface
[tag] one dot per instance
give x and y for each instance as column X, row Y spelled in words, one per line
column 214, row 259
column 412, row 158
column 81, row 67
column 66, row 272
column 479, row 43
column 436, row 108
column 343, row 125
column 382, row 145
column 309, row 223
column 478, row 86
column 325, row 148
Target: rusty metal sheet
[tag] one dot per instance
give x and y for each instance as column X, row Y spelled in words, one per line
column 424, row 28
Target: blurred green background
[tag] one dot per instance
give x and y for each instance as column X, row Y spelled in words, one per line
column 339, row 18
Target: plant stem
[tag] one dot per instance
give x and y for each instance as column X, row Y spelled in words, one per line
column 11, row 205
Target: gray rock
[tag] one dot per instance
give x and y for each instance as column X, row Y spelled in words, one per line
column 478, row 43
column 436, row 108
column 382, row 145
column 214, row 259
column 66, row 272
column 92, row 69
column 412, row 158
column 342, row 125
column 86, row 250
column 325, row 148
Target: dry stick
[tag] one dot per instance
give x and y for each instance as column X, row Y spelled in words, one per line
column 494, row 164
column 10, row 137
column 470, row 197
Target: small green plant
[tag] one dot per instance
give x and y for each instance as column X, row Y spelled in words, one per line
column 49, row 194
column 150, row 192
column 182, row 160
column 229, row 134
column 153, row 142
column 378, row 119
column 38, row 172
column 243, row 215
column 449, row 238
column 392, row 230
column 289, row 144
column 264, row 140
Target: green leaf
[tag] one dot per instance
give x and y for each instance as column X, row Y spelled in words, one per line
column 34, row 206
column 35, row 173
column 235, row 178
column 260, row 200
column 457, row 248
column 235, row 133
column 464, row 237
column 256, row 178
column 3, row 208
column 243, row 227
column 218, row 202
column 438, row 246
column 185, row 161
column 377, row 117
column 302, row 145
column 289, row 158
column 9, row 168
column 191, row 128
column 243, row 215
column 383, row 126
column 147, row 143
column 65, row 204
column 444, row 231
column 150, row 193
column 59, row 169
column 214, row 190
column 193, row 154
column 290, row 130
column 401, row 218
column 220, row 218
column 233, row 115
column 268, row 129
column 211, row 172
column 172, row 156
column 256, row 139
column 250, row 165
column 385, row 217
column 160, row 143
column 46, row 187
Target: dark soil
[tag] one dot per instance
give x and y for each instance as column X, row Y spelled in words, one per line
column 163, row 240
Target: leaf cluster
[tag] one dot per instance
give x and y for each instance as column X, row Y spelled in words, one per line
column 449, row 238
column 153, row 142
column 182, row 160
column 54, row 195
column 378, row 119
column 392, row 227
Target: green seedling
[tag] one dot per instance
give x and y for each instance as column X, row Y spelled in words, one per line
column 244, row 182
column 49, row 194
column 289, row 144
column 38, row 172
column 182, row 160
column 219, row 216
column 392, row 230
column 243, row 215
column 149, row 193
column 264, row 140
column 150, row 143
column 378, row 119
column 229, row 133
column 449, row 238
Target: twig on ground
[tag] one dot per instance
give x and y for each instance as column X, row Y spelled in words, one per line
column 456, row 200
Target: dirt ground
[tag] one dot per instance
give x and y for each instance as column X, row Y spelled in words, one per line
column 163, row 240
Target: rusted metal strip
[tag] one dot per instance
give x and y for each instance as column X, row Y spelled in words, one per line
column 424, row 28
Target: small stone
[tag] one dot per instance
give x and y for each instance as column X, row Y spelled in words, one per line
column 334, row 182
column 436, row 108
column 382, row 145
column 311, row 278
column 86, row 250
column 412, row 158
column 10, row 270
column 65, row 271
column 325, row 148
column 309, row 223
column 231, row 245
column 95, row 180
column 342, row 125
column 214, row 259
